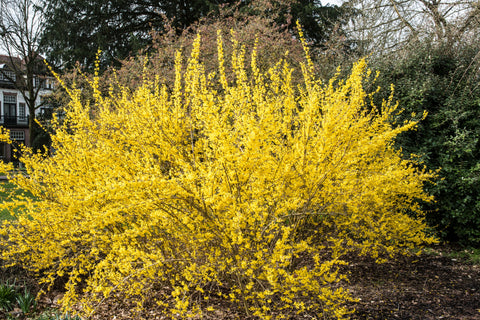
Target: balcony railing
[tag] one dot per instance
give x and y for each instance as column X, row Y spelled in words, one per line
column 8, row 120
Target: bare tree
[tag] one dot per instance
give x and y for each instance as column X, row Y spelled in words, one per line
column 20, row 31
column 384, row 26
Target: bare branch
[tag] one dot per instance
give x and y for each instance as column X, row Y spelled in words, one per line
column 384, row 25
column 20, row 29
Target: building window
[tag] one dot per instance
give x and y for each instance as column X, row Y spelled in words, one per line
column 49, row 83
column 21, row 111
column 17, row 135
column 10, row 98
column 8, row 76
column 10, row 108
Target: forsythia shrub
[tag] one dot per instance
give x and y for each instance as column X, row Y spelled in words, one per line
column 241, row 193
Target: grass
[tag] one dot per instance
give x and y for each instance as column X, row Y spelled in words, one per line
column 466, row 255
column 5, row 195
column 5, row 216
column 470, row 255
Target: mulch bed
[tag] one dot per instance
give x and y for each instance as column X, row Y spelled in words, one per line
column 431, row 286
column 425, row 287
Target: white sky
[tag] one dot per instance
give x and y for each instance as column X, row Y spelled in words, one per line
column 336, row 2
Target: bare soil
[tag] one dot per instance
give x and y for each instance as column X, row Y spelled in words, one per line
column 431, row 286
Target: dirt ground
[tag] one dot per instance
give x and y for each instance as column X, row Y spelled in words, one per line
column 431, row 286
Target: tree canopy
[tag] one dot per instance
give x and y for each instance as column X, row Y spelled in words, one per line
column 75, row 29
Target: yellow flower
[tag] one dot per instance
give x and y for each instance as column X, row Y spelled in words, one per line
column 217, row 188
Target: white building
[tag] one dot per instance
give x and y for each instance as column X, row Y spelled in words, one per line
column 14, row 113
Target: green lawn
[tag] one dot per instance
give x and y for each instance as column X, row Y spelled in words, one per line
column 4, row 196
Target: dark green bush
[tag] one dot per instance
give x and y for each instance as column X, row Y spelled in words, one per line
column 444, row 81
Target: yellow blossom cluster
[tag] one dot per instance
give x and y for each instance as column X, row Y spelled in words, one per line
column 243, row 192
